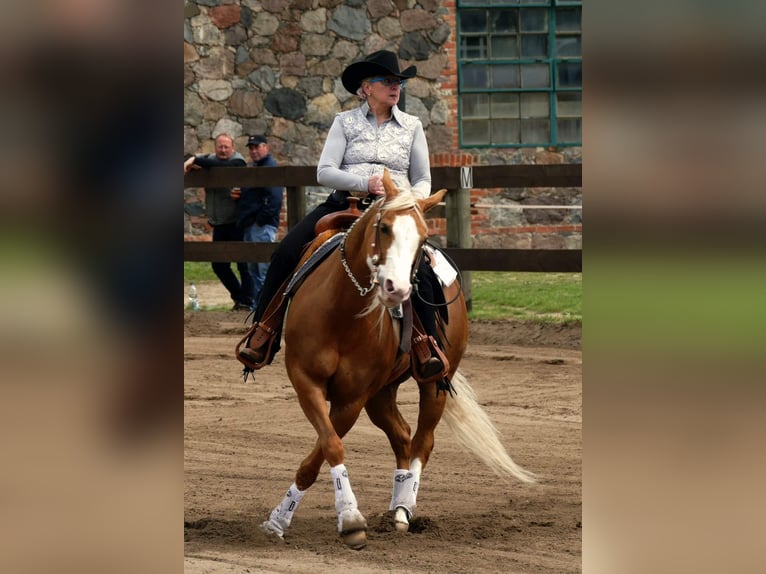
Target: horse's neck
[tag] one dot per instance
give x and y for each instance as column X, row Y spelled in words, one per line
column 357, row 247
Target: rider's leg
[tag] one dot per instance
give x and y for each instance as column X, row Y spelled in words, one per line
column 432, row 365
column 283, row 263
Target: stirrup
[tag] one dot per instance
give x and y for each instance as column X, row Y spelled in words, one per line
column 261, row 353
column 429, row 363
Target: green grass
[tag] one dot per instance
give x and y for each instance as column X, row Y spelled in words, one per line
column 198, row 272
column 544, row 297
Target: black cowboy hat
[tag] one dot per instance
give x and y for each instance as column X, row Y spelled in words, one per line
column 382, row 63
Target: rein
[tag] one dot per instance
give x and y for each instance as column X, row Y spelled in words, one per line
column 363, row 291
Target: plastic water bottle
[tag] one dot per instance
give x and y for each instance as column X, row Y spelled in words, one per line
column 193, row 298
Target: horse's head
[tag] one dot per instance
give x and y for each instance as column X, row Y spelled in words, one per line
column 397, row 236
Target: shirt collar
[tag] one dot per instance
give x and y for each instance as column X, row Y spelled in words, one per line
column 395, row 112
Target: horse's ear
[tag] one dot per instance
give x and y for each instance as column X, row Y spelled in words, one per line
column 431, row 200
column 388, row 185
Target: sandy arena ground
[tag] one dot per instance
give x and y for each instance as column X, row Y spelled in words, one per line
column 243, row 442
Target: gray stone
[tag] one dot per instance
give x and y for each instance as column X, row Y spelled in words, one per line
column 389, row 28
column 235, row 35
column 196, row 208
column 440, row 34
column 188, row 32
column 330, row 67
column 219, row 64
column 345, row 51
column 311, row 86
column 414, row 46
column 206, row 33
column 190, row 10
column 379, row 8
column 246, row 17
column 208, row 2
column 265, row 24
column 227, row 126
column 432, row 68
column 194, row 108
column 264, row 77
column 355, row 3
column 292, row 64
column 214, row 111
column 286, row 103
column 373, row 43
column 316, row 44
column 439, row 139
column 321, row 111
column 242, row 55
column 416, row 108
column 439, row 112
column 349, row 22
column 413, row 20
column 418, row 87
column 315, row 21
column 216, row 90
column 247, row 103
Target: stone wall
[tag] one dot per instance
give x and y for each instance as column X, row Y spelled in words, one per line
column 273, row 67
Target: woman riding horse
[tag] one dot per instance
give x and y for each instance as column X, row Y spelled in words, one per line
column 360, row 144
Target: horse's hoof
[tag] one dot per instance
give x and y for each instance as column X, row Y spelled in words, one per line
column 271, row 529
column 355, row 540
column 401, row 520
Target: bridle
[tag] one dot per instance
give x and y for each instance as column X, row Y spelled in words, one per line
column 375, row 257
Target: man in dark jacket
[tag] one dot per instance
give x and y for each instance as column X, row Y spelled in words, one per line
column 220, row 207
column 258, row 210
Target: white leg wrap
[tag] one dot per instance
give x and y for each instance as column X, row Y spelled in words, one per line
column 282, row 515
column 405, row 491
column 349, row 517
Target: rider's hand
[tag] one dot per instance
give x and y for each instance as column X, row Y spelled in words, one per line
column 375, row 185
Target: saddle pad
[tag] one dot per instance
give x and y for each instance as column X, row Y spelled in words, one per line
column 314, row 259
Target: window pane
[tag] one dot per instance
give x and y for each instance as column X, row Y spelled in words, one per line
column 570, row 74
column 569, row 104
column 568, row 20
column 475, row 132
column 504, row 47
column 568, row 46
column 534, row 45
column 505, row 132
column 535, row 105
column 505, row 106
column 504, row 21
column 474, row 76
column 475, row 105
column 535, row 76
column 473, row 47
column 505, row 76
column 473, row 21
column 535, row 131
column 570, row 130
column 534, row 20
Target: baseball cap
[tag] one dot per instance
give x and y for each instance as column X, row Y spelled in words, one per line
column 255, row 140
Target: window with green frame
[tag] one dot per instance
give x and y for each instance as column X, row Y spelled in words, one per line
column 520, row 73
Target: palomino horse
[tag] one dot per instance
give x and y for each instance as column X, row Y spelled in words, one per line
column 342, row 347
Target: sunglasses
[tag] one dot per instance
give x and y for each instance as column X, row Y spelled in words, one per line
column 388, row 82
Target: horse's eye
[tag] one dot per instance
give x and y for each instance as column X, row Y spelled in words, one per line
column 384, row 228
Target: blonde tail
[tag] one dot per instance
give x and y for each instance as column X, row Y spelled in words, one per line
column 476, row 433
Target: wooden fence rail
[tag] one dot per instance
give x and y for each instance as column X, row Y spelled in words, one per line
column 296, row 178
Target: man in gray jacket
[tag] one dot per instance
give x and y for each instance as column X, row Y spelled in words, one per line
column 220, row 207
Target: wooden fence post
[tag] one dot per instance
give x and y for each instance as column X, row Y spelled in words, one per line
column 296, row 205
column 458, row 208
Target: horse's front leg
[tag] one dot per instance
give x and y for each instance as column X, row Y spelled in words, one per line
column 384, row 413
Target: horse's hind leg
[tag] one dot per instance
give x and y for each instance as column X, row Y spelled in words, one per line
column 385, row 414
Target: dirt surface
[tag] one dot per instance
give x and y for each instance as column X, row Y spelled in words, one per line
column 243, row 443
